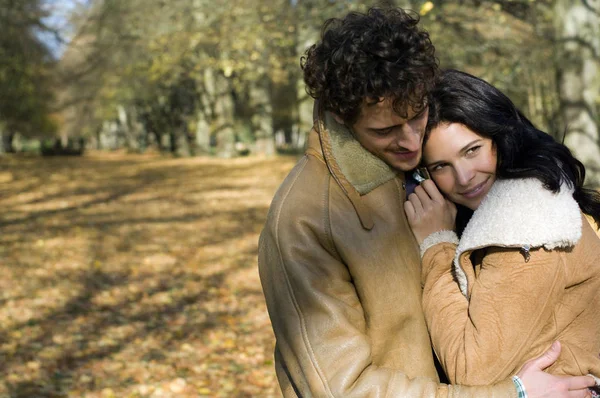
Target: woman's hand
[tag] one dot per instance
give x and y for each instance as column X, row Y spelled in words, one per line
column 428, row 211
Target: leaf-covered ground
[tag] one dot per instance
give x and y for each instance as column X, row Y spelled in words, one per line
column 134, row 276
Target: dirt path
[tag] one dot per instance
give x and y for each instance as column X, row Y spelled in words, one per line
column 134, row 276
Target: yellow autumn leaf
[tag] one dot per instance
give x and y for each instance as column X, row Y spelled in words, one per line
column 426, row 7
column 229, row 343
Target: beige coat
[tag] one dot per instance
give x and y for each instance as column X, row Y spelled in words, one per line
column 341, row 273
column 536, row 279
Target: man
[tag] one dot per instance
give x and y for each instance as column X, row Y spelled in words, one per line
column 339, row 266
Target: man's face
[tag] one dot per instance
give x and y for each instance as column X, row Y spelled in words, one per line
column 392, row 138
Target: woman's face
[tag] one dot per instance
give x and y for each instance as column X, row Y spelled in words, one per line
column 461, row 163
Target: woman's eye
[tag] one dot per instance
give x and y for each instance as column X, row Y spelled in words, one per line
column 473, row 150
column 435, row 168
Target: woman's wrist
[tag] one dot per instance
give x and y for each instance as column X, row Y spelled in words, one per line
column 444, row 236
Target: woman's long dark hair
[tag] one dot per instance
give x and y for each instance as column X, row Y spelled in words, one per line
column 523, row 150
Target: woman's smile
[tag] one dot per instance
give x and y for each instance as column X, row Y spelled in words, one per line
column 461, row 162
column 478, row 189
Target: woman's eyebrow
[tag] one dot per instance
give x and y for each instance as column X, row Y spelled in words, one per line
column 466, row 147
column 462, row 150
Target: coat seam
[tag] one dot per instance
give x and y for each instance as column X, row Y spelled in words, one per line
column 291, row 291
column 327, row 218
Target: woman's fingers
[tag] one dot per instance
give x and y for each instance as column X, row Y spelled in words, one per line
column 426, row 215
column 416, row 202
column 433, row 191
column 423, row 197
column 410, row 212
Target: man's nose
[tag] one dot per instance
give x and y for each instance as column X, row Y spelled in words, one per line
column 409, row 138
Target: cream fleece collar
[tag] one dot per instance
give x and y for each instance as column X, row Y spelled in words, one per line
column 361, row 168
column 521, row 213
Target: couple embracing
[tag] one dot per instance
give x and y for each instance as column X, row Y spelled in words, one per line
column 373, row 277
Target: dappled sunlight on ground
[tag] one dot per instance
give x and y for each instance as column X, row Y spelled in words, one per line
column 134, row 276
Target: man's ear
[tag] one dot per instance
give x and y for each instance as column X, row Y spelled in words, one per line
column 338, row 119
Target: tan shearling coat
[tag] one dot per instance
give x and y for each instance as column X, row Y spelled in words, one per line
column 526, row 273
column 340, row 271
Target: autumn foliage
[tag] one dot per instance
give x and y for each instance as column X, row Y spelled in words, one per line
column 134, row 276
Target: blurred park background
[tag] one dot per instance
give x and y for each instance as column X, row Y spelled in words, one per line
column 141, row 144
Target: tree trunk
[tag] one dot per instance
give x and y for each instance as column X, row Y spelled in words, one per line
column 6, row 142
column 97, row 137
column 184, row 146
column 172, row 141
column 307, row 34
column 202, row 134
column 130, row 127
column 262, row 119
column 224, row 118
column 108, row 137
column 578, row 30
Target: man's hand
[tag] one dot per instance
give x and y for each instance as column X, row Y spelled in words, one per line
column 428, row 211
column 541, row 384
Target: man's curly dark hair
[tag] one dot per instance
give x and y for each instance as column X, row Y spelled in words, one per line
column 366, row 57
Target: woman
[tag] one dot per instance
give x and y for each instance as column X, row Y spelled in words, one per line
column 526, row 270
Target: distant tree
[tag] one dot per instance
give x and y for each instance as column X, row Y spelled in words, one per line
column 25, row 73
column 240, row 59
column 198, row 76
column 578, row 67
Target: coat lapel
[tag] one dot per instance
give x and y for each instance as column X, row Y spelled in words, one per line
column 520, row 213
